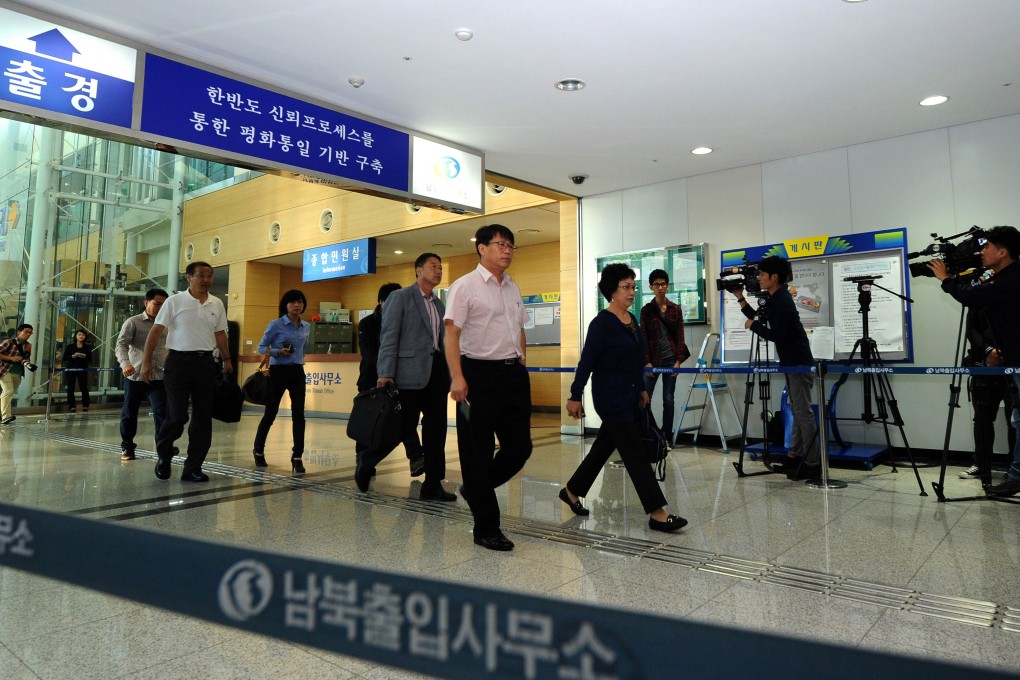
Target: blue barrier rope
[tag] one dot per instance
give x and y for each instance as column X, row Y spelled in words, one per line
column 830, row 368
column 414, row 622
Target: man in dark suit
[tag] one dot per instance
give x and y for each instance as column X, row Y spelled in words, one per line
column 411, row 357
column 369, row 330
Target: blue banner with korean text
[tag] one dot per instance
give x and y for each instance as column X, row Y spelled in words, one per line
column 351, row 258
column 58, row 69
column 187, row 103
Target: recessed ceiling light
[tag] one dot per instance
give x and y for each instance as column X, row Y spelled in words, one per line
column 464, row 34
column 398, row 252
column 528, row 231
column 934, row 100
column 854, row 1
column 570, row 85
column 472, row 239
column 701, row 151
column 441, row 245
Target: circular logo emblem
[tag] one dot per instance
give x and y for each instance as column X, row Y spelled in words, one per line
column 447, row 167
column 245, row 590
column 1008, row 371
column 858, row 370
column 929, row 370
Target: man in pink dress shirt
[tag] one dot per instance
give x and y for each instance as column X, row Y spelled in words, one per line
column 485, row 350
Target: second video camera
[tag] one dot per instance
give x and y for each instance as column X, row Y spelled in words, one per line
column 743, row 276
column 959, row 257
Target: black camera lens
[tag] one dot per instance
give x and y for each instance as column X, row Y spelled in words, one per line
column 29, row 366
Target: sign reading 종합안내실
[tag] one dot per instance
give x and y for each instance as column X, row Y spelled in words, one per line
column 351, row 258
column 61, row 70
column 187, row 103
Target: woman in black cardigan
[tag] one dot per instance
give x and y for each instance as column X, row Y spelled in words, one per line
column 78, row 356
column 614, row 355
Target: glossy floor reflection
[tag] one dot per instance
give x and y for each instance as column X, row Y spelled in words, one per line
column 878, row 530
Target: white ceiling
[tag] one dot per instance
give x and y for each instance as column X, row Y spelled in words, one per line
column 754, row 80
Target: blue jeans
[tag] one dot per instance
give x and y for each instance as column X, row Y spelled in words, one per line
column 668, row 396
column 134, row 392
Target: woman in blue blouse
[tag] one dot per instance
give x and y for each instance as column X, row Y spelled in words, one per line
column 614, row 356
column 285, row 339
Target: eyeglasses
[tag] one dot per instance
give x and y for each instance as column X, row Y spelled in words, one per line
column 660, row 284
column 502, row 245
column 626, row 286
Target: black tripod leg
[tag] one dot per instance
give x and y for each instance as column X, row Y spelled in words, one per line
column 954, row 403
column 748, row 400
column 886, row 389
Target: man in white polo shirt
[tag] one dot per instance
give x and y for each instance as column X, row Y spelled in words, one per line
column 485, row 348
column 195, row 323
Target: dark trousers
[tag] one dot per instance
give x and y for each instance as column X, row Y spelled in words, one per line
column 77, row 377
column 134, row 392
column 500, row 406
column 668, row 398
column 188, row 376
column 291, row 379
column 804, row 437
column 625, row 438
column 987, row 392
column 430, row 403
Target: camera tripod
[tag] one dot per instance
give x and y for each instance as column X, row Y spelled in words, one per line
column 954, row 403
column 875, row 382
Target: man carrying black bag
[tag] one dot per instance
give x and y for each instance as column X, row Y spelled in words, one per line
column 411, row 357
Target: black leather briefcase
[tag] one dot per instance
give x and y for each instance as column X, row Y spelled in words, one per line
column 376, row 418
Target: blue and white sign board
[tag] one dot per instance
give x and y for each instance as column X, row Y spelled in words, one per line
column 351, row 258
column 187, row 103
column 446, row 175
column 48, row 66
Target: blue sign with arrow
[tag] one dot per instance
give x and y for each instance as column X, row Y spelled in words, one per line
column 50, row 67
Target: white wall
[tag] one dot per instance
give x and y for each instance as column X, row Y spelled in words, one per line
column 942, row 181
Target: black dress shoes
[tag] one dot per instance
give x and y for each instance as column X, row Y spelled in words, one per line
column 193, row 476
column 417, row 466
column 438, row 494
column 805, row 471
column 497, row 542
column 573, row 505
column 672, row 523
column 1009, row 487
column 362, row 477
column 162, row 469
column 260, row 459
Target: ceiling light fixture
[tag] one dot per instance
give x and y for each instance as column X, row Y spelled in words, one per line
column 356, row 81
column 934, row 100
column 570, row 85
column 854, row 2
column 441, row 245
column 472, row 239
column 464, row 34
column 398, row 252
column 701, row 151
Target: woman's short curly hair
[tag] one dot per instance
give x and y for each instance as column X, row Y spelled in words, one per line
column 611, row 277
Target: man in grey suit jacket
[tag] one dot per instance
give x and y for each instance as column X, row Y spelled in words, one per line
column 411, row 356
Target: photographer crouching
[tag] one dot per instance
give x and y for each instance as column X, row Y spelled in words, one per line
column 783, row 327
column 999, row 298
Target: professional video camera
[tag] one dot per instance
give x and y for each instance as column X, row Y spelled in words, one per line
column 30, row 366
column 743, row 276
column 959, row 257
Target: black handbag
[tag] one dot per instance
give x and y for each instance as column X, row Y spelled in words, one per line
column 227, row 400
column 376, row 418
column 656, row 448
column 258, row 387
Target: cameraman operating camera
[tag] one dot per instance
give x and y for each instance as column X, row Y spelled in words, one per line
column 999, row 297
column 786, row 331
column 11, row 355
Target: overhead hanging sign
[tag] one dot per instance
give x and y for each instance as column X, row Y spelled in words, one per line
column 64, row 71
column 187, row 103
column 446, row 175
column 351, row 258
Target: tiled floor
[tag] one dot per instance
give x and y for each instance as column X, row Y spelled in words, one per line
column 877, row 530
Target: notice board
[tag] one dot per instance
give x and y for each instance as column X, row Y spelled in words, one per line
column 829, row 305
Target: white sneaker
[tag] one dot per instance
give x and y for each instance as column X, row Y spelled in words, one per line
column 973, row 472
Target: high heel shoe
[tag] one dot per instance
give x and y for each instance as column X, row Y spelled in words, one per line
column 576, row 506
column 260, row 459
column 298, row 466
